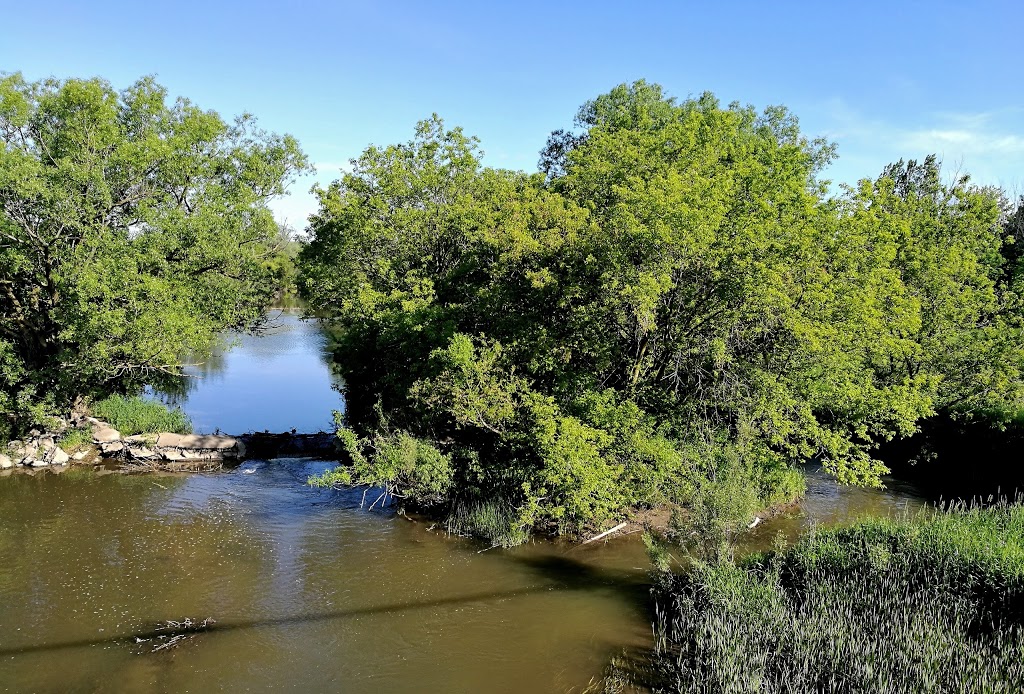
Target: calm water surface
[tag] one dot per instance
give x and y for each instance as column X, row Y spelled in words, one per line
column 277, row 381
column 310, row 593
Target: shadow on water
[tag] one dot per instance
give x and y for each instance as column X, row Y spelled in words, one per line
column 561, row 574
column 960, row 460
column 565, row 573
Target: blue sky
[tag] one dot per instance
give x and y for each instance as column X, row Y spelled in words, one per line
column 883, row 80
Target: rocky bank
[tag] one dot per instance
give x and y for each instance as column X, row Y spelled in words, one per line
column 161, row 450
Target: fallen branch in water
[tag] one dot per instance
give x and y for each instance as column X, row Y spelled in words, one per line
column 606, row 533
column 185, row 629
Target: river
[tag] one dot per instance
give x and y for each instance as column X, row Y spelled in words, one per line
column 309, row 591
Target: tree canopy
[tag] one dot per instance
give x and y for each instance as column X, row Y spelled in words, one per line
column 674, row 298
column 132, row 229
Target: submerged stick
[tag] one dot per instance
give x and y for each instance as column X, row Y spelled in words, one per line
column 617, row 528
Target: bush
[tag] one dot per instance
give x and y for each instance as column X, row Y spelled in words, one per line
column 400, row 463
column 136, row 415
column 922, row 605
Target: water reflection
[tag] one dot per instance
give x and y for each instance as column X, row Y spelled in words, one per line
column 280, row 380
column 829, row 503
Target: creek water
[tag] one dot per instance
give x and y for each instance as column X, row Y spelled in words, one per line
column 309, row 591
column 276, row 381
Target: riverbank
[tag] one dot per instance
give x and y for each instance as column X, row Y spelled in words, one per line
column 83, row 439
column 919, row 603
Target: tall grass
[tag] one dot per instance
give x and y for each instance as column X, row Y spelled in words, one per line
column 137, row 415
column 494, row 521
column 924, row 604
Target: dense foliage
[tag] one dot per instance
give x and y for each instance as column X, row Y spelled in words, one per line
column 915, row 605
column 132, row 230
column 673, row 299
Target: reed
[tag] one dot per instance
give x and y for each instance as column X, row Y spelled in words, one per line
column 494, row 521
column 918, row 604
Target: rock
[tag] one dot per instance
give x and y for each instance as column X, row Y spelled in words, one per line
column 169, row 440
column 141, row 439
column 240, row 450
column 5, row 462
column 102, row 433
column 141, row 453
column 15, row 446
column 206, row 442
column 95, row 422
column 34, row 432
column 173, row 455
column 81, row 455
column 27, row 454
column 111, row 447
column 40, row 463
column 47, row 442
column 57, row 456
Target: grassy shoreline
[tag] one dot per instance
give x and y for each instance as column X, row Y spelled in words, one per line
column 925, row 603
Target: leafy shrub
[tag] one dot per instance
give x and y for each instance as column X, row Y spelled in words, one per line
column 136, row 415
column 400, row 463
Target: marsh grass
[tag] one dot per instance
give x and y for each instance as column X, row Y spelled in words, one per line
column 494, row 521
column 136, row 415
column 922, row 604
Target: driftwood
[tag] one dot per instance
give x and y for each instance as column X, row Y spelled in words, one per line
column 606, row 533
column 179, row 632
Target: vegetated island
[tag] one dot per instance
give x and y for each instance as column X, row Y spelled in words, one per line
column 673, row 312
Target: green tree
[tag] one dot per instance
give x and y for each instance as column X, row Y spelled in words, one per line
column 723, row 304
column 131, row 231
column 952, row 265
column 1013, row 246
column 673, row 305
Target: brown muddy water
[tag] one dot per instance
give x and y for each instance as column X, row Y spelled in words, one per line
column 310, row 592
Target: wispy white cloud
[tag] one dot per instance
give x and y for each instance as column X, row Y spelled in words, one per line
column 966, row 141
column 988, row 145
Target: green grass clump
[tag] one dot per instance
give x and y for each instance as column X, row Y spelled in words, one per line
column 136, row 415
column 496, row 522
column 74, row 439
column 928, row 604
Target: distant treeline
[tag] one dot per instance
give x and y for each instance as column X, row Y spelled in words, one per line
column 674, row 304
